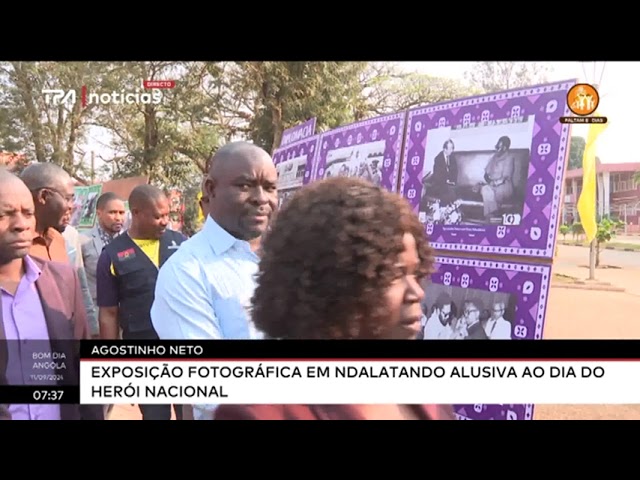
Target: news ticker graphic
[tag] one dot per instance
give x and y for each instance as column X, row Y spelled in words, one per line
column 361, row 349
column 342, row 381
column 40, row 371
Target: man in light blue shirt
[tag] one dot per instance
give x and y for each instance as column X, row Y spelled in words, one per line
column 204, row 290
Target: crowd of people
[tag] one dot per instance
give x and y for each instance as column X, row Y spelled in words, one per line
column 245, row 275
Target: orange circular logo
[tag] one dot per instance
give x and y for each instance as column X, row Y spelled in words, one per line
column 583, row 99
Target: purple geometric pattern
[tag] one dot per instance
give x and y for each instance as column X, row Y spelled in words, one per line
column 389, row 128
column 308, row 146
column 535, row 236
column 529, row 284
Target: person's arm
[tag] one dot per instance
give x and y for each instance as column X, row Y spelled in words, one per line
column 183, row 310
column 92, row 314
column 183, row 306
column 107, row 291
column 81, row 331
column 508, row 169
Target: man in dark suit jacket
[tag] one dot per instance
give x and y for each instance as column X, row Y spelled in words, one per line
column 445, row 174
column 46, row 303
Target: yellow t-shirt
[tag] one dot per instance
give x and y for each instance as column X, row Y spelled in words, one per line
column 151, row 248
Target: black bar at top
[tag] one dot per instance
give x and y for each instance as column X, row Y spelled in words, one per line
column 354, row 349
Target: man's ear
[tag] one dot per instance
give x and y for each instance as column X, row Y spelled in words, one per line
column 40, row 197
column 209, row 187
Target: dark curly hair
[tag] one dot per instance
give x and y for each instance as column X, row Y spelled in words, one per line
column 329, row 258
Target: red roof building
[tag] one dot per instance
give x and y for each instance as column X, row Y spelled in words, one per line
column 618, row 195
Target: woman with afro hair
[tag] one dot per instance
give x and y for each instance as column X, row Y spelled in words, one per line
column 344, row 260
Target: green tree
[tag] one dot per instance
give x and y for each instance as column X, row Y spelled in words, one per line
column 496, row 76
column 42, row 130
column 283, row 94
column 387, row 89
column 576, row 152
column 606, row 231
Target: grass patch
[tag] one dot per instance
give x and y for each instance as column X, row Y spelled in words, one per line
column 629, row 246
column 560, row 278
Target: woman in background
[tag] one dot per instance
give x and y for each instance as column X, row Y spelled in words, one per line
column 344, row 260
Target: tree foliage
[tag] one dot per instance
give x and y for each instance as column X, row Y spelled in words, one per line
column 495, row 76
column 211, row 103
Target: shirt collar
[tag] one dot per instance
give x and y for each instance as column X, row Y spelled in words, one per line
column 31, row 270
column 220, row 240
column 48, row 236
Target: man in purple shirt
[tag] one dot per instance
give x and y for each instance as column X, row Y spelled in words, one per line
column 42, row 311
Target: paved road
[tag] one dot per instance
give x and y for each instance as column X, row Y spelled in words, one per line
column 568, row 255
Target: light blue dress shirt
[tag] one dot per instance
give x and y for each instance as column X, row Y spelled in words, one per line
column 204, row 291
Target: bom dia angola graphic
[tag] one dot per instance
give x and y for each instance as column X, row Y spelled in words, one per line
column 583, row 100
column 151, row 94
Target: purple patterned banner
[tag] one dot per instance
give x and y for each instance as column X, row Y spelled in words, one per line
column 484, row 299
column 298, row 133
column 368, row 149
column 294, row 164
column 485, row 173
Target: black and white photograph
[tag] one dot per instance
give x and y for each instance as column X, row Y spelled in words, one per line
column 476, row 175
column 456, row 313
column 290, row 177
column 285, row 195
column 363, row 161
column 291, row 172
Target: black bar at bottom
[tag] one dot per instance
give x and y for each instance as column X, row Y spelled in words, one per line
column 15, row 394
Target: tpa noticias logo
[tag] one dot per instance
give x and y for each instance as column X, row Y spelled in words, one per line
column 151, row 96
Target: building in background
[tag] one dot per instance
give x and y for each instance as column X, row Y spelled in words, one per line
column 618, row 195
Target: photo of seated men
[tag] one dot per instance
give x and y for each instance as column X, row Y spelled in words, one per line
column 476, row 176
column 362, row 161
column 467, row 314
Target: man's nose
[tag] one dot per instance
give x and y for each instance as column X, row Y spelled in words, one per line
column 22, row 223
column 260, row 196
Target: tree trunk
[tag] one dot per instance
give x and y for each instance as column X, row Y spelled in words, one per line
column 150, row 142
column 26, row 90
column 597, row 254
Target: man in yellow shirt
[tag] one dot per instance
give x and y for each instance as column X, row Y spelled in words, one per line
column 127, row 271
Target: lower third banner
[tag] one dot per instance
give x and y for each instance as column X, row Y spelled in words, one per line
column 473, row 382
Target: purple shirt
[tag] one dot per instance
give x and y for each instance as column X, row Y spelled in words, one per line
column 26, row 329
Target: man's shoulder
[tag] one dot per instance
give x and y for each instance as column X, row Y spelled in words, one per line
column 86, row 236
column 186, row 259
column 118, row 242
column 52, row 267
column 176, row 236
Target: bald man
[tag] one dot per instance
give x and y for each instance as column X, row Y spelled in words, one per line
column 126, row 275
column 204, row 291
column 41, row 307
column 54, row 197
